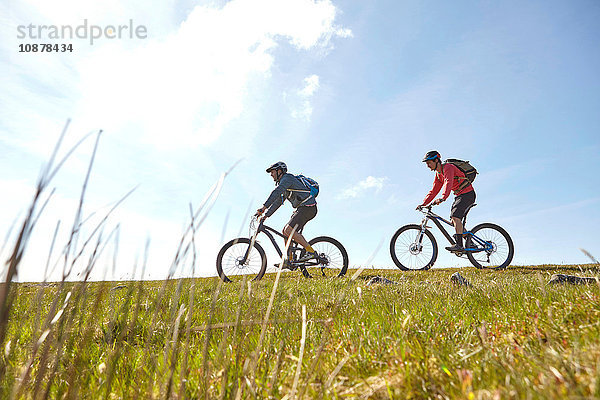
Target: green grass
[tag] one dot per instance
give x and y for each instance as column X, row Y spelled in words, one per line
column 508, row 336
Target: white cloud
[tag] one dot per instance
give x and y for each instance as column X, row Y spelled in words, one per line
column 185, row 89
column 362, row 187
column 302, row 109
column 182, row 85
column 312, row 84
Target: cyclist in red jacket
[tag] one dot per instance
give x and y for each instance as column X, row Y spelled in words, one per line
column 451, row 178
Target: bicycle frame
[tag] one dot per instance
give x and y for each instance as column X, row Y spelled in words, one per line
column 268, row 231
column 430, row 215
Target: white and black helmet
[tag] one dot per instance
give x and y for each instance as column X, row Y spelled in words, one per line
column 278, row 165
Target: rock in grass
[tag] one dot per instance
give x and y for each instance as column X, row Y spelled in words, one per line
column 573, row 280
column 459, row 280
column 378, row 279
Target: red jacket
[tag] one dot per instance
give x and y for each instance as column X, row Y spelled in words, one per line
column 451, row 180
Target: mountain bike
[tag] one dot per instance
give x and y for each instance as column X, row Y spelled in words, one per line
column 245, row 256
column 413, row 247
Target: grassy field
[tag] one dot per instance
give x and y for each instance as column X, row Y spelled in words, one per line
column 508, row 336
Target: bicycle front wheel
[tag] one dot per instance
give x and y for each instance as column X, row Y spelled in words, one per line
column 231, row 264
column 411, row 250
column 489, row 246
column 333, row 258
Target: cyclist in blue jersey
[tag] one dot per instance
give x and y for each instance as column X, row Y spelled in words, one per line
column 291, row 188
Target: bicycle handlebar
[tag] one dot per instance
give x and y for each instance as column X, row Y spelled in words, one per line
column 425, row 209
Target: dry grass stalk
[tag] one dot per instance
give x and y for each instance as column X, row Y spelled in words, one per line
column 300, row 354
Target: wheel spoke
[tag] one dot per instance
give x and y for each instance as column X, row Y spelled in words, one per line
column 501, row 247
column 230, row 258
column 408, row 253
column 335, row 254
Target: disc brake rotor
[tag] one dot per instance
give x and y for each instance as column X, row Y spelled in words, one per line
column 239, row 263
column 414, row 248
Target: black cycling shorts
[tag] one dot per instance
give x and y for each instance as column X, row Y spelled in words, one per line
column 301, row 216
column 461, row 202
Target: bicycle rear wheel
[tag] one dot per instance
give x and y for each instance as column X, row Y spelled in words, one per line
column 333, row 258
column 232, row 266
column 493, row 246
column 410, row 254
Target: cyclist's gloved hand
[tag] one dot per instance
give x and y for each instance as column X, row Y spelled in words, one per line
column 419, row 207
column 437, row 202
column 259, row 211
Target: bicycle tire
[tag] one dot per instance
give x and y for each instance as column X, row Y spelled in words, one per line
column 333, row 252
column 228, row 261
column 502, row 245
column 404, row 253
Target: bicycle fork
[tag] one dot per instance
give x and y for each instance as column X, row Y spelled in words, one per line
column 418, row 244
column 247, row 253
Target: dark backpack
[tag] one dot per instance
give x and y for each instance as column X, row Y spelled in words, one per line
column 466, row 168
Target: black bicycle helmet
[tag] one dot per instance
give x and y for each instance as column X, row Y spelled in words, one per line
column 432, row 155
column 278, row 165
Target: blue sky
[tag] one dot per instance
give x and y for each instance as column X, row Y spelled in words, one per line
column 349, row 93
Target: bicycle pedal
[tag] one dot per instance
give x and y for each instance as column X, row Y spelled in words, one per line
column 457, row 252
